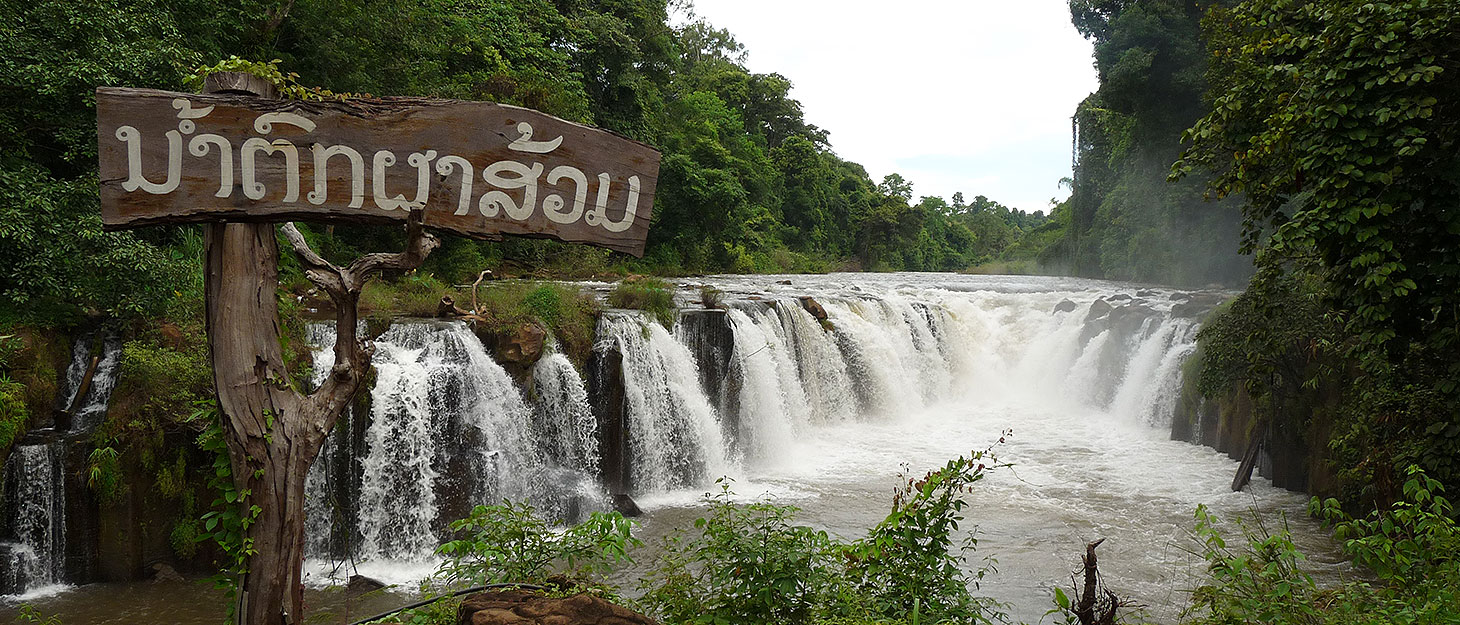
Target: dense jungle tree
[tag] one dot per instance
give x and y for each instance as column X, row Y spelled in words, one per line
column 1126, row 221
column 1337, row 125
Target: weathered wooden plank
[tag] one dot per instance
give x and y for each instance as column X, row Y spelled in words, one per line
column 170, row 157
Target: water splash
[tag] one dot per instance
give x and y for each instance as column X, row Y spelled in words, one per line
column 34, row 555
column 675, row 438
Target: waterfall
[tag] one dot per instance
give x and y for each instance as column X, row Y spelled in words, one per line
column 674, row 436
column 566, row 426
column 447, row 429
column 819, row 365
column 731, row 391
column 324, row 509
column 33, row 554
column 91, row 409
column 903, row 350
column 772, row 401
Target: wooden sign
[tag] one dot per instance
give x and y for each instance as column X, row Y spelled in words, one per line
column 477, row 169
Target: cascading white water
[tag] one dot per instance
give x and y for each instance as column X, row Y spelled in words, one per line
column 566, row 426
column 908, row 371
column 675, row 439
column 91, row 409
column 35, row 498
column 884, row 384
column 772, row 400
column 321, row 506
column 449, row 429
column 819, row 365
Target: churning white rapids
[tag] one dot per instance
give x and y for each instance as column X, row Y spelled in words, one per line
column 920, row 368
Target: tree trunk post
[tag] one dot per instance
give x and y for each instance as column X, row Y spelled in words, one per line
column 273, row 431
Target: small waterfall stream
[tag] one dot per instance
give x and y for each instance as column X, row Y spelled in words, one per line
column 33, row 534
column 35, row 508
column 91, row 409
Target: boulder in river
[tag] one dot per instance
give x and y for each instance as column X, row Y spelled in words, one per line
column 1197, row 305
column 163, row 572
column 1099, row 308
column 521, row 345
column 625, row 505
column 813, row 307
column 1065, row 306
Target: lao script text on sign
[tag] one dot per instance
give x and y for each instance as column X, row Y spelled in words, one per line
column 476, row 168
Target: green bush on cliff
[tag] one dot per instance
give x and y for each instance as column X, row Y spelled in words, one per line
column 651, row 295
column 563, row 309
column 13, row 412
column 415, row 295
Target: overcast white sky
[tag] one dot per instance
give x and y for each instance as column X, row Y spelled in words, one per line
column 972, row 96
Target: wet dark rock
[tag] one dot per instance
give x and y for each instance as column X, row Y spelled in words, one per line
column 813, row 307
column 605, row 381
column 625, row 505
column 526, row 607
column 786, row 282
column 1065, row 306
column 1099, row 308
column 1180, row 296
column 162, row 572
column 359, row 585
column 376, row 326
column 1197, row 305
column 711, row 340
column 1138, row 311
column 1145, row 293
column 1119, row 297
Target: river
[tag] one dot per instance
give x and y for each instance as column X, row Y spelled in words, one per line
column 913, row 370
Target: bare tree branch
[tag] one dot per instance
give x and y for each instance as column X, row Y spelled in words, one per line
column 352, row 355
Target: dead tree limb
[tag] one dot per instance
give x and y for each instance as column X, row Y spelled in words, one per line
column 1095, row 605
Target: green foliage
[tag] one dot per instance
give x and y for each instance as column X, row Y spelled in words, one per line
column 226, row 523
column 14, row 414
column 442, row 612
column 564, row 309
column 1263, row 584
column 650, row 295
column 29, row 614
column 1336, row 123
column 915, row 554
column 508, row 543
column 415, row 295
column 162, row 382
column 104, row 474
column 1412, row 540
column 750, row 563
column 745, row 564
column 1124, row 220
column 1410, row 547
column 711, row 297
column 287, row 84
